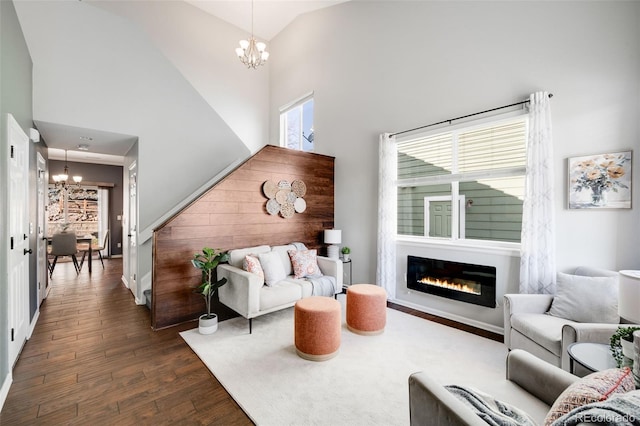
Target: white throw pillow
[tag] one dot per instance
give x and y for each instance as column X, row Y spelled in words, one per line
column 586, row 299
column 272, row 267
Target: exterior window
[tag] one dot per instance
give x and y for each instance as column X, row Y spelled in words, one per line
column 296, row 124
column 84, row 210
column 463, row 184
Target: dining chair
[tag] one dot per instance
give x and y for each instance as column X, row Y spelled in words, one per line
column 64, row 244
column 95, row 247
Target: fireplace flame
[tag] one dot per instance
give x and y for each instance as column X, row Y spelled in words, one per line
column 473, row 288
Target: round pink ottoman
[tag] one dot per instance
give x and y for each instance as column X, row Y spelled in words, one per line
column 317, row 326
column 366, row 309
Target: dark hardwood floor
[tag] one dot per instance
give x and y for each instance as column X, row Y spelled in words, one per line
column 94, row 360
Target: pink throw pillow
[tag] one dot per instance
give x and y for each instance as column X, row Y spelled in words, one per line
column 595, row 387
column 304, row 263
column 252, row 264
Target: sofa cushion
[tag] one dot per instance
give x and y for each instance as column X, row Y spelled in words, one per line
column 252, row 264
column 283, row 251
column 281, row 293
column 304, row 263
column 546, row 330
column 236, row 257
column 272, row 266
column 586, row 299
column 305, row 286
column 588, row 271
column 598, row 386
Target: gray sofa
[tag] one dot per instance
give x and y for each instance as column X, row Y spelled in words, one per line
column 528, row 327
column 247, row 294
column 531, row 385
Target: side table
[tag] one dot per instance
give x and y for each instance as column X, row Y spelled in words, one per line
column 348, row 262
column 592, row 356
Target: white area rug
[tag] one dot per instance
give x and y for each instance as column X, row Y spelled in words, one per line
column 365, row 384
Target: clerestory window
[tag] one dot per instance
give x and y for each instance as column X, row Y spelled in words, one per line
column 296, row 124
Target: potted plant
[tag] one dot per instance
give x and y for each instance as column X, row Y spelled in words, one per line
column 622, row 344
column 345, row 253
column 207, row 261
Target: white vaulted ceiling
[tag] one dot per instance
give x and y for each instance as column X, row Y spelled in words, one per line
column 270, row 17
column 71, row 111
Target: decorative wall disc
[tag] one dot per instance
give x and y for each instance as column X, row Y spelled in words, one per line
column 299, row 188
column 284, row 184
column 269, row 189
column 282, row 195
column 300, row 205
column 287, row 210
column 285, row 197
column 273, row 207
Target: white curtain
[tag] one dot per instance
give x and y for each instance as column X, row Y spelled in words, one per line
column 387, row 213
column 537, row 252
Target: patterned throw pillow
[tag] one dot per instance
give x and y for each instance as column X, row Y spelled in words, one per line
column 595, row 387
column 252, row 264
column 304, row 263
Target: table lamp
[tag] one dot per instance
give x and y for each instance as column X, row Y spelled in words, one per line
column 332, row 237
column 629, row 296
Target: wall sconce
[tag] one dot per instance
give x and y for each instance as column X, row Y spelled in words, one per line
column 469, row 204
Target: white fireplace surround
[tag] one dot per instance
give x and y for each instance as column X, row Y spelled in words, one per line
column 506, row 260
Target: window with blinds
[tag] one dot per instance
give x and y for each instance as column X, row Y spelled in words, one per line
column 464, row 184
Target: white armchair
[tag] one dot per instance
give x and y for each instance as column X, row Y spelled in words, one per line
column 528, row 326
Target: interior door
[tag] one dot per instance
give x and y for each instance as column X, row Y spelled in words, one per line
column 133, row 229
column 19, row 251
column 41, row 244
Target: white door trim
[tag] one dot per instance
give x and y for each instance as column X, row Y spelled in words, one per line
column 457, row 227
column 18, row 244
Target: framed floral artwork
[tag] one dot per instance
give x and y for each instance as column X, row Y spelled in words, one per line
column 600, row 181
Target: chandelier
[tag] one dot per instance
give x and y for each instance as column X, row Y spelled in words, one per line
column 61, row 180
column 251, row 52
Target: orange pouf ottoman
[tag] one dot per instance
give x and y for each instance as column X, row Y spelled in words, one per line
column 366, row 309
column 317, row 324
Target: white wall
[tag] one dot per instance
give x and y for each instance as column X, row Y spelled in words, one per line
column 202, row 48
column 15, row 98
column 164, row 72
column 99, row 71
column 389, row 66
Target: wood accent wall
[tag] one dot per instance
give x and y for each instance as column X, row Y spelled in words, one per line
column 232, row 214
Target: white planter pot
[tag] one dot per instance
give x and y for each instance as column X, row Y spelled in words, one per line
column 207, row 325
column 627, row 349
column 345, row 257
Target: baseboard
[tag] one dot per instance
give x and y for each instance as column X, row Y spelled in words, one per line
column 4, row 391
column 32, row 326
column 453, row 317
column 124, row 281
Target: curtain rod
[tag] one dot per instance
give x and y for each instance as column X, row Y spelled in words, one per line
column 465, row 116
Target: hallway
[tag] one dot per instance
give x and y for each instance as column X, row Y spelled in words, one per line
column 93, row 359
